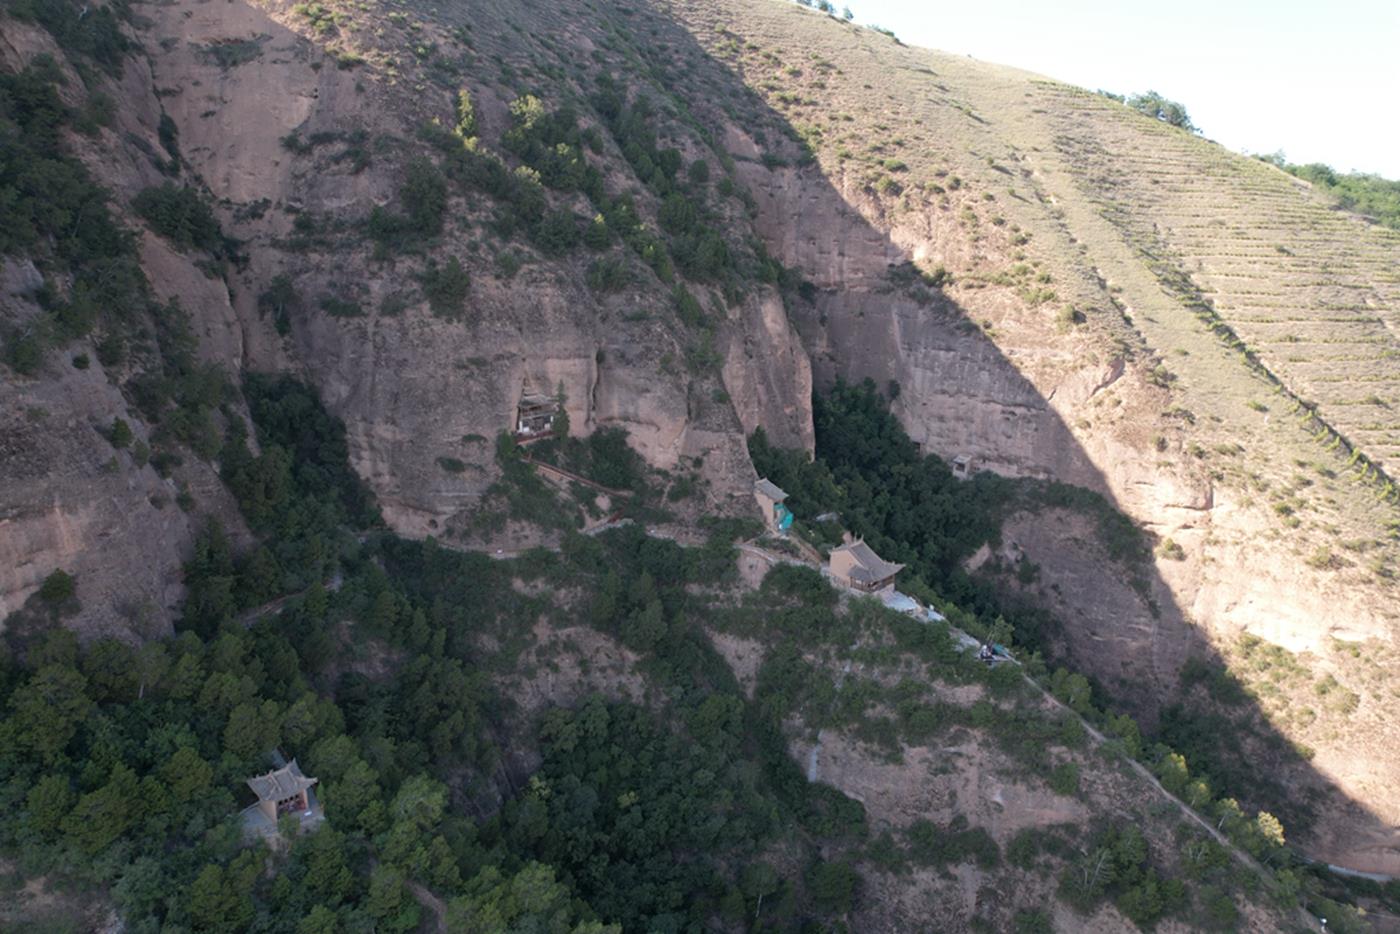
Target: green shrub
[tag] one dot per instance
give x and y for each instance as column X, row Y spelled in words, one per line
column 295, row 144
column 59, row 587
column 1220, row 907
column 92, row 32
column 557, row 232
column 322, row 19
column 1033, row 922
column 1023, row 849
column 466, row 115
column 120, row 434
column 338, row 307
column 1374, row 197
column 832, row 886
column 424, row 196
column 612, row 461
column 931, row 845
column 231, row 53
column 389, row 231
column 24, row 349
column 1068, row 317
column 278, row 300
column 169, row 135
column 596, row 235
column 1171, row 550
column 446, row 288
column 687, row 306
column 394, row 304
column 608, row 274
column 179, row 214
column 1064, row 779
column 508, row 263
column 677, row 214
column 1321, row 558
column 1158, row 107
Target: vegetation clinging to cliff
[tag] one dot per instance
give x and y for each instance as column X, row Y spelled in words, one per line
column 911, row 507
column 120, row 762
column 51, row 207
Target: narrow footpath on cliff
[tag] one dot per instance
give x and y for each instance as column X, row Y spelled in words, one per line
column 969, row 642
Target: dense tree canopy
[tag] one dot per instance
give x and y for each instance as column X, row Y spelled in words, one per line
column 125, row 768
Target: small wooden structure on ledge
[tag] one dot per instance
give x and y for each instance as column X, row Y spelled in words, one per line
column 283, row 791
column 535, row 415
column 857, row 566
column 770, row 498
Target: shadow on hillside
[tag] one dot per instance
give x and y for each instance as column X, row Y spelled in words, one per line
column 858, row 328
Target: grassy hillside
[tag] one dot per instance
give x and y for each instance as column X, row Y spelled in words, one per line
column 666, row 214
column 1309, row 291
column 1252, row 317
column 1028, row 171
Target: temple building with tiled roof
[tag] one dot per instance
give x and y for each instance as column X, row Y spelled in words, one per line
column 856, row 565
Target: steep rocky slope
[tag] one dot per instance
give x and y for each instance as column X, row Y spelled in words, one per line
column 1095, row 269
column 415, row 389
column 1024, row 263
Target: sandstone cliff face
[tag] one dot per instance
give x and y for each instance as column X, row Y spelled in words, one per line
column 982, row 371
column 412, row 388
column 241, row 79
column 68, row 499
column 1138, row 402
column 72, row 501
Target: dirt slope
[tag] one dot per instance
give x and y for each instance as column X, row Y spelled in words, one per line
column 1047, row 279
column 1094, row 263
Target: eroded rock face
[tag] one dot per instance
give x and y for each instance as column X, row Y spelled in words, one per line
column 73, row 502
column 1134, row 653
column 767, row 373
column 247, row 94
column 957, row 392
column 414, row 389
column 69, row 500
column 980, row 374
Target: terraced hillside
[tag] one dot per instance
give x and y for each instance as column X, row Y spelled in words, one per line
column 678, row 218
column 1062, row 287
column 1314, row 292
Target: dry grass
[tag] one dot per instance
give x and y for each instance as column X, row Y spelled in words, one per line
column 1069, row 200
column 1263, row 316
column 1069, row 224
